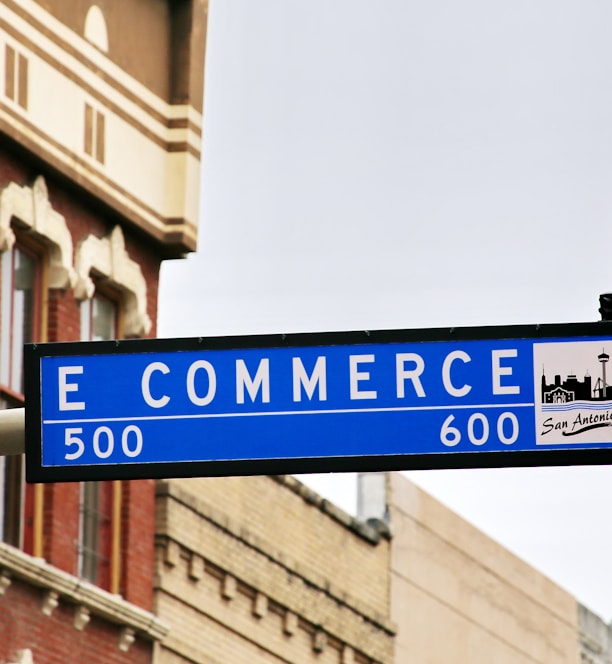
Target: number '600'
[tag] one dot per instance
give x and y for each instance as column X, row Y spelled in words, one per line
column 478, row 429
column 103, row 442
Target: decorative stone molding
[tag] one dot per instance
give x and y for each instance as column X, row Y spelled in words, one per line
column 260, row 605
column 50, row 602
column 81, row 618
column 348, row 655
column 196, row 567
column 229, row 587
column 5, row 581
column 234, row 592
column 127, row 636
column 25, row 656
column 290, row 623
column 108, row 258
column 31, row 209
column 319, row 640
column 172, row 553
column 112, row 608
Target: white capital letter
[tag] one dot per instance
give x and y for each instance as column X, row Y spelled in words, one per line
column 146, row 391
column 212, row 383
column 262, row 379
column 65, row 387
column 499, row 371
column 356, row 376
column 300, row 378
column 446, row 369
column 401, row 373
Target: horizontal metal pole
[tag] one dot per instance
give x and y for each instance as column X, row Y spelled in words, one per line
column 12, row 431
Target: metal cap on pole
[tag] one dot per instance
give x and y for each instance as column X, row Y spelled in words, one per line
column 12, row 431
column 605, row 306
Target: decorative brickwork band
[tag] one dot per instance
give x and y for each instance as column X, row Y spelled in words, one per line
column 229, row 587
column 290, row 623
column 172, row 553
column 260, row 605
column 348, row 655
column 196, row 567
column 319, row 640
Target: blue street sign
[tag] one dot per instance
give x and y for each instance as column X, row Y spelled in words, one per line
column 524, row 395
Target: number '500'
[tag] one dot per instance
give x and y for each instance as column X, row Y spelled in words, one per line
column 103, row 442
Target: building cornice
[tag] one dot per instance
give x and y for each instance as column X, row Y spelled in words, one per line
column 372, row 530
column 96, row 125
column 59, row 586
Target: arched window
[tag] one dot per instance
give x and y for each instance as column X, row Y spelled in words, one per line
column 95, row 28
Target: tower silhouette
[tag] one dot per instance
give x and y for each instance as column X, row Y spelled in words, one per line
column 603, row 358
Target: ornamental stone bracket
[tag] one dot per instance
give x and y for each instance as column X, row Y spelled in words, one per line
column 108, row 258
column 24, row 657
column 59, row 587
column 31, row 209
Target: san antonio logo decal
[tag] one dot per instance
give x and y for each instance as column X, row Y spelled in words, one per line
column 573, row 398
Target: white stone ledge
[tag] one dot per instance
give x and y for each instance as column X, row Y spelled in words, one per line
column 71, row 589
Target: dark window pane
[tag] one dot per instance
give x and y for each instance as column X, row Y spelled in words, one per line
column 11, row 499
column 19, row 302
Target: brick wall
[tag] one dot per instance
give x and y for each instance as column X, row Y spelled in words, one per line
column 83, row 217
column 60, row 530
column 22, row 624
column 61, row 525
column 137, row 541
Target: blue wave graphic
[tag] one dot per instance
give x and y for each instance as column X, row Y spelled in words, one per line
column 576, row 405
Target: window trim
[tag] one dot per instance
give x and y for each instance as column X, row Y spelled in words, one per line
column 107, row 294
column 94, row 134
column 16, row 76
column 107, row 574
column 106, row 261
column 40, row 315
column 29, row 208
column 31, row 500
column 106, row 556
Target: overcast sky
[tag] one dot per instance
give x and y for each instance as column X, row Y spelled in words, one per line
column 414, row 163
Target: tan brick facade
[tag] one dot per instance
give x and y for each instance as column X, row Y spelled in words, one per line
column 261, row 569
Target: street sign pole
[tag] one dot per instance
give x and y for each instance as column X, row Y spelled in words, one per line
column 354, row 401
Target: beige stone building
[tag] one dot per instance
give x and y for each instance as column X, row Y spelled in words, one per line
column 458, row 596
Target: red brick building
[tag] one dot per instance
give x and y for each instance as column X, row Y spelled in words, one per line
column 100, row 137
